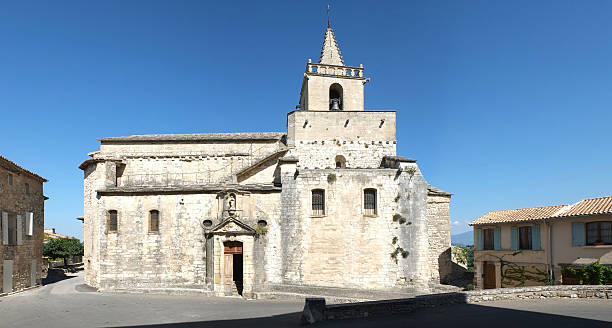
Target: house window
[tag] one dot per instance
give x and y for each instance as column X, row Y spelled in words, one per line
column 12, row 230
column 112, row 221
column 154, row 221
column 27, row 189
column 10, row 179
column 318, row 202
column 369, row 201
column 599, row 233
column 525, row 237
column 487, row 235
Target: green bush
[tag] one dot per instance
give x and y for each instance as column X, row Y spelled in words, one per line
column 592, row 274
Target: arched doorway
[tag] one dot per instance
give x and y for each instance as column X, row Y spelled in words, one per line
column 232, row 267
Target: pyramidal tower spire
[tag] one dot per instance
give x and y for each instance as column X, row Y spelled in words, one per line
column 330, row 53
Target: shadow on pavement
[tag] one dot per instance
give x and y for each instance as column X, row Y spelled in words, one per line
column 461, row 315
column 55, row 275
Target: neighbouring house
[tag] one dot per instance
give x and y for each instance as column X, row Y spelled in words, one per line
column 530, row 246
column 22, row 206
column 323, row 208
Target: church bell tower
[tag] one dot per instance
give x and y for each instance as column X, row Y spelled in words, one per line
column 330, row 85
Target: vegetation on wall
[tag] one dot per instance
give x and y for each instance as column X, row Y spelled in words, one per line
column 465, row 256
column 592, row 274
column 260, row 230
column 515, row 275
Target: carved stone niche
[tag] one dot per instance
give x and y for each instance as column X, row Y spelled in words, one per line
column 233, row 203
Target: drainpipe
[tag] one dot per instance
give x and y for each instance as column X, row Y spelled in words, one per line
column 550, row 252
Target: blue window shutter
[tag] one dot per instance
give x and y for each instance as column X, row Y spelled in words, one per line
column 497, row 238
column 478, row 239
column 535, row 238
column 577, row 233
column 514, row 238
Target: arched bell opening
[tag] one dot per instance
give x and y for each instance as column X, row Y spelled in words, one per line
column 335, row 97
column 340, row 162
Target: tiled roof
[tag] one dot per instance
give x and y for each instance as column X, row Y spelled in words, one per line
column 589, row 206
column 197, row 137
column 518, row 215
column 12, row 165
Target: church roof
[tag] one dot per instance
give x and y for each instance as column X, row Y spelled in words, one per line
column 198, row 137
column 330, row 54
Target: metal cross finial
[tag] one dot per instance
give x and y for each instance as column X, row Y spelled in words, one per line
column 328, row 7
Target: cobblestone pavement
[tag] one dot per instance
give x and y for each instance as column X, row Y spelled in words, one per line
column 69, row 303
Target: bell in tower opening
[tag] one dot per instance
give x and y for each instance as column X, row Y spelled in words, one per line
column 335, row 97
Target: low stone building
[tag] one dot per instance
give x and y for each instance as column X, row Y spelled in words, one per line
column 530, row 246
column 323, row 207
column 21, row 225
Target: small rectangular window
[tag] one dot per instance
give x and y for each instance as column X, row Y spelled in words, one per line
column 154, row 221
column 369, row 201
column 27, row 189
column 488, row 238
column 318, row 202
column 10, row 179
column 112, row 221
column 525, row 238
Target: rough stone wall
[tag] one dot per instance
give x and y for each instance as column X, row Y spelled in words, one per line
column 413, row 237
column 15, row 201
column 363, row 138
column 133, row 257
column 438, row 231
column 345, row 248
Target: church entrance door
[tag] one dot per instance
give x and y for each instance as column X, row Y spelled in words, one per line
column 232, row 267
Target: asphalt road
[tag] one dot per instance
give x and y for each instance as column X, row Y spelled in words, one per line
column 68, row 303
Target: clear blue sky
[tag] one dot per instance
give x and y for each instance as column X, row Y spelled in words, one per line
column 504, row 103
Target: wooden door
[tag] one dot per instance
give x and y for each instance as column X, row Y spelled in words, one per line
column 489, row 276
column 228, row 269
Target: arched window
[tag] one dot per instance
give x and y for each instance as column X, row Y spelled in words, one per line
column 340, row 162
column 318, row 202
column 599, row 233
column 112, row 221
column 369, row 201
column 335, row 97
column 154, row 221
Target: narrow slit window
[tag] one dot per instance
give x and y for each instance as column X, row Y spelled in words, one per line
column 27, row 189
column 154, row 221
column 318, row 202
column 369, row 201
column 112, row 221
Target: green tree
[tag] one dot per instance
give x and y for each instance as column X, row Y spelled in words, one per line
column 63, row 248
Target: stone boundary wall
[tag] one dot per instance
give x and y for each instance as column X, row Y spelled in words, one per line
column 316, row 310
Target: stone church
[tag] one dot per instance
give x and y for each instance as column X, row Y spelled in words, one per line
column 325, row 208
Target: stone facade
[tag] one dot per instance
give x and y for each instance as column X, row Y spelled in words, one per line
column 237, row 211
column 21, row 227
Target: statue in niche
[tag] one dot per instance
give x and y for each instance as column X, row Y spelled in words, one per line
column 231, row 205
